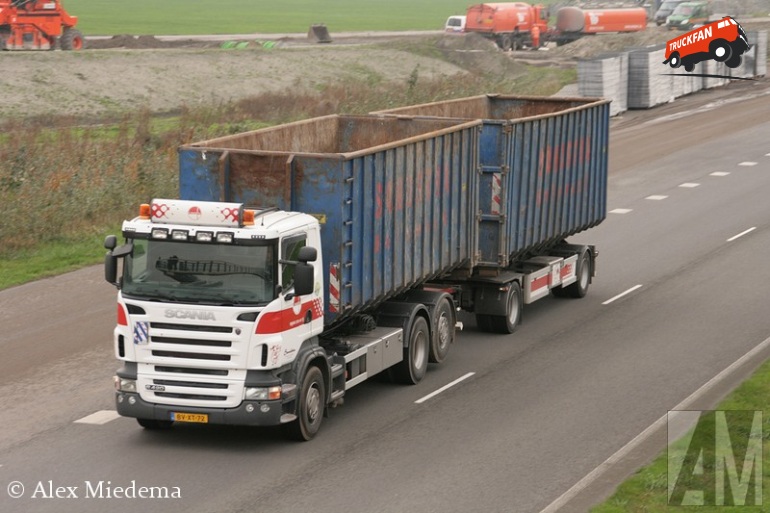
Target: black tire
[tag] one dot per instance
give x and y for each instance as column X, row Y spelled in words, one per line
column 155, row 425
column 513, row 307
column 734, row 61
column 675, row 61
column 720, row 50
column 580, row 287
column 412, row 368
column 689, row 67
column 310, row 407
column 506, row 43
column 443, row 331
column 484, row 322
column 72, row 39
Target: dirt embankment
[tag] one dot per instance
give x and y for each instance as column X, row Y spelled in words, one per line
column 127, row 72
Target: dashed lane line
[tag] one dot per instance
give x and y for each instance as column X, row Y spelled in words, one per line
column 444, row 388
column 99, row 418
column 622, row 294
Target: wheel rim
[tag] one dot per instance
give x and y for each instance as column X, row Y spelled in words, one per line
column 584, row 274
column 313, row 403
column 419, row 349
column 720, row 51
column 443, row 331
column 513, row 307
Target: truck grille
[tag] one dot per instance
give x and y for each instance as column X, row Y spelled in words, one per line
column 192, row 365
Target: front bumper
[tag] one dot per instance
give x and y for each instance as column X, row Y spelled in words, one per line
column 264, row 413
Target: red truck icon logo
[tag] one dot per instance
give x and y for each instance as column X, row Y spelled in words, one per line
column 723, row 41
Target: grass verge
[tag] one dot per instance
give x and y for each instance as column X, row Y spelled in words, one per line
column 647, row 490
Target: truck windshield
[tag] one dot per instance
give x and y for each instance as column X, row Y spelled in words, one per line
column 210, row 273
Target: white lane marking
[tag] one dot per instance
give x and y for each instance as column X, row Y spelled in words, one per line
column 689, row 185
column 635, row 287
column 656, row 197
column 742, row 234
column 99, row 418
column 720, row 173
column 445, row 387
column 621, row 211
column 624, row 451
column 748, row 164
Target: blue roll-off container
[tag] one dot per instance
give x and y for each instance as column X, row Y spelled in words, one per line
column 542, row 164
column 396, row 198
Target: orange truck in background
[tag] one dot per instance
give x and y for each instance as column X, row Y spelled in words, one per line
column 37, row 25
column 573, row 23
column 508, row 24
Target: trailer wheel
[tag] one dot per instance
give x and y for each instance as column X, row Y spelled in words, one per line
column 513, row 305
column 444, row 333
column 310, row 408
column 412, row 368
column 155, row 425
column 580, row 287
column 72, row 39
column 720, row 50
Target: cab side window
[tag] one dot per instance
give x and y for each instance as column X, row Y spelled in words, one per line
column 290, row 247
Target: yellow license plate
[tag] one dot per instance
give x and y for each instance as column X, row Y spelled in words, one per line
column 200, row 418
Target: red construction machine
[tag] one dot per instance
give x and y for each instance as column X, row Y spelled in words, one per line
column 37, row 25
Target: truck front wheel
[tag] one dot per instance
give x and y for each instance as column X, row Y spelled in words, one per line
column 310, row 408
column 412, row 368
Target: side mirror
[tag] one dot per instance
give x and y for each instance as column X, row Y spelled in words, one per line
column 303, row 278
column 307, row 254
column 111, row 268
column 110, row 242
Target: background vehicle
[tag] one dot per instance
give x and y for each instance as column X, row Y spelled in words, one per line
column 455, row 24
column 374, row 230
column 37, row 25
column 724, row 41
column 573, row 23
column 688, row 15
column 665, row 10
column 508, row 24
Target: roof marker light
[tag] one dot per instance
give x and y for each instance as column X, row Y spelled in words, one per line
column 145, row 212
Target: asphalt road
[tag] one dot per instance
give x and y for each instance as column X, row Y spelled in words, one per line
column 542, row 409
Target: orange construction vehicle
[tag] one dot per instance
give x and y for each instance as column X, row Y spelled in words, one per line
column 508, row 24
column 37, row 25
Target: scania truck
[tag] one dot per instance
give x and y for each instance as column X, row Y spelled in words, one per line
column 303, row 259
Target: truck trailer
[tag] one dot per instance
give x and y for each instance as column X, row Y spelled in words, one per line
column 303, row 259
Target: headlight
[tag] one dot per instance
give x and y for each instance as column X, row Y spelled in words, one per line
column 124, row 384
column 263, row 394
column 685, row 21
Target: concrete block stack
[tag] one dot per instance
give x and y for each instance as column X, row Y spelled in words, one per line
column 648, row 84
column 605, row 76
column 711, row 67
column 758, row 41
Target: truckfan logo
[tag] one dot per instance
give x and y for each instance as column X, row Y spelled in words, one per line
column 721, row 41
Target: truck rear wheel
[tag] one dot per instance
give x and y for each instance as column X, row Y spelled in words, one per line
column 310, row 407
column 412, row 368
column 513, row 306
column 445, row 331
column 506, row 43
